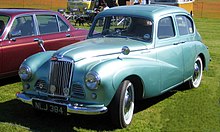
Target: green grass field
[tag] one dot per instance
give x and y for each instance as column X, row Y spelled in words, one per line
column 179, row 110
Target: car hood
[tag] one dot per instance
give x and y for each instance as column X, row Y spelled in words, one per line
column 99, row 47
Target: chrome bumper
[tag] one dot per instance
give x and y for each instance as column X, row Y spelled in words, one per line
column 76, row 108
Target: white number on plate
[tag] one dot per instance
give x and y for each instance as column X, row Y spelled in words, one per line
column 55, row 109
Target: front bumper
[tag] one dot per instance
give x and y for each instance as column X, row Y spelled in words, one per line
column 71, row 108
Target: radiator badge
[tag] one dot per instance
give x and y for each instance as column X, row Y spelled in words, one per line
column 52, row 89
column 66, row 91
column 54, row 59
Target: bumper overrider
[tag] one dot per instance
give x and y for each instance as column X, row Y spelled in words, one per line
column 62, row 107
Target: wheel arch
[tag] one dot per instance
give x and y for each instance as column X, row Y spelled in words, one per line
column 203, row 60
column 138, row 86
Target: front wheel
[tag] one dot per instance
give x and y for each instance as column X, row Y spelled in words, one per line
column 122, row 105
column 197, row 75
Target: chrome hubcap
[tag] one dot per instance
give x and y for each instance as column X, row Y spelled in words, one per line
column 196, row 71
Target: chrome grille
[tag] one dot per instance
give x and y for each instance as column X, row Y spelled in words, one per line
column 60, row 77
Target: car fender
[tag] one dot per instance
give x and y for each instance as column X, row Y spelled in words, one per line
column 203, row 49
column 39, row 63
column 113, row 72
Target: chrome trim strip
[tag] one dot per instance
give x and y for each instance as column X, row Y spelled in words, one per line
column 76, row 108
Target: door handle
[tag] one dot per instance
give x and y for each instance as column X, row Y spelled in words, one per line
column 175, row 43
column 179, row 43
column 68, row 35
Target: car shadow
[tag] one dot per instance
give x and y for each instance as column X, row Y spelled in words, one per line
column 16, row 112
column 9, row 80
column 141, row 105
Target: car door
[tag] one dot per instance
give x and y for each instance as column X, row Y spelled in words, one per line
column 169, row 54
column 20, row 44
column 186, row 35
column 54, row 32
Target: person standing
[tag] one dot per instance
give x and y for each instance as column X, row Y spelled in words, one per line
column 136, row 2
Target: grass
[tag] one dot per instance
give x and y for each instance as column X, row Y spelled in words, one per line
column 178, row 110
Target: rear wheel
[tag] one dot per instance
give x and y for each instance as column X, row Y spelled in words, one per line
column 122, row 106
column 197, row 75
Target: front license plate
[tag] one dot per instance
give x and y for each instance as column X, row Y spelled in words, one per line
column 50, row 107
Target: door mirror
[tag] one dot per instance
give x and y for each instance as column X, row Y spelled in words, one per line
column 125, row 50
column 40, row 43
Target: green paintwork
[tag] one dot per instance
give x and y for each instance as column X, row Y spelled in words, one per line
column 159, row 64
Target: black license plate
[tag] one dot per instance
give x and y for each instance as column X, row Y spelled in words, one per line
column 50, row 107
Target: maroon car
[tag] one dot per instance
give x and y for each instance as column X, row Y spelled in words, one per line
column 21, row 31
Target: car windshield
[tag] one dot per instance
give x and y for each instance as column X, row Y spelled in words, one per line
column 123, row 26
column 3, row 22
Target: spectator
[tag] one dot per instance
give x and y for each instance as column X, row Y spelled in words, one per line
column 136, row 2
column 105, row 6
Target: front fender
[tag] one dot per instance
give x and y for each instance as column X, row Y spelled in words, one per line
column 148, row 70
column 113, row 72
column 39, row 64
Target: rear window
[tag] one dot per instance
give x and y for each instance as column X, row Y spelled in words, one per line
column 63, row 26
column 185, row 25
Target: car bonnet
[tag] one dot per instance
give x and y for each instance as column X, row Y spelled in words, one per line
column 99, row 47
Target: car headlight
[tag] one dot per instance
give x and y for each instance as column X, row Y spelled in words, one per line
column 24, row 72
column 92, row 80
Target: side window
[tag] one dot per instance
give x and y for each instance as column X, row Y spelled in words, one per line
column 185, row 25
column 63, row 26
column 47, row 24
column 23, row 26
column 165, row 28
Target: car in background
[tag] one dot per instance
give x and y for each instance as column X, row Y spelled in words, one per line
column 132, row 53
column 22, row 29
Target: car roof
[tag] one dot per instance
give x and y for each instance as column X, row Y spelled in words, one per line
column 17, row 11
column 150, row 11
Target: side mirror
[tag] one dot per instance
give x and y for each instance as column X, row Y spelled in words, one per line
column 125, row 50
column 40, row 43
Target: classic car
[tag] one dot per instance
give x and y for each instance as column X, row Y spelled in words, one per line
column 132, row 53
column 22, row 29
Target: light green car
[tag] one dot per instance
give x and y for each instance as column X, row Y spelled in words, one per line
column 132, row 53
